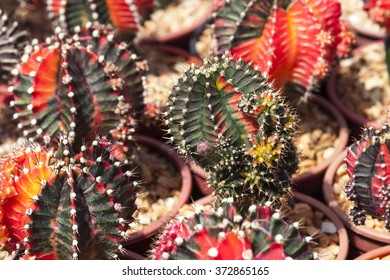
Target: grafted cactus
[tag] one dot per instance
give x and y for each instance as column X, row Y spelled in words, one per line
column 125, row 15
column 228, row 119
column 379, row 12
column 292, row 41
column 82, row 84
column 226, row 235
column 12, row 42
column 368, row 168
column 63, row 205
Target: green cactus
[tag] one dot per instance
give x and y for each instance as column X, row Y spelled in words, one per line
column 64, row 205
column 229, row 120
column 12, row 42
column 82, row 84
column 368, row 168
column 226, row 235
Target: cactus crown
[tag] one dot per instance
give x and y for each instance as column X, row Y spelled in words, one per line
column 125, row 15
column 292, row 41
column 368, row 168
column 12, row 42
column 227, row 118
column 83, row 84
column 226, row 235
column 64, row 205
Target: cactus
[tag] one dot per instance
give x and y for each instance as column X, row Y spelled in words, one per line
column 368, row 168
column 226, row 235
column 291, row 41
column 62, row 205
column 227, row 118
column 82, row 84
column 379, row 12
column 12, row 42
column 125, row 15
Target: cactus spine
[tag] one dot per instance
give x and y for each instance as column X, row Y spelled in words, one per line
column 64, row 205
column 228, row 119
column 226, row 235
column 368, row 168
column 82, row 84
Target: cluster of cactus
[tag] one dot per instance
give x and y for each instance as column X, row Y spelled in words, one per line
column 82, row 85
column 368, row 168
column 65, row 205
column 12, row 42
column 124, row 15
column 229, row 120
column 291, row 41
column 225, row 234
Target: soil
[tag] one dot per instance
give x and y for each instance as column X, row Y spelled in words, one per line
column 317, row 136
column 341, row 198
column 363, row 83
column 160, row 189
column 177, row 16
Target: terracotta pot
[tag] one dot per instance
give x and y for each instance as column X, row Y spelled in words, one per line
column 363, row 238
column 310, row 181
column 356, row 121
column 142, row 237
column 158, row 130
column 341, row 230
column 179, row 38
column 376, row 253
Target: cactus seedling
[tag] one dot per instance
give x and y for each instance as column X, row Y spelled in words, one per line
column 82, row 84
column 12, row 42
column 226, row 235
column 228, row 119
column 368, row 168
column 292, row 41
column 125, row 15
column 63, row 205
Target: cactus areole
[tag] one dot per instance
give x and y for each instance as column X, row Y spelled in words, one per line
column 368, row 167
column 63, row 205
column 291, row 41
column 226, row 235
column 82, row 84
column 228, row 119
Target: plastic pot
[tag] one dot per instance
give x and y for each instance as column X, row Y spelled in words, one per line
column 362, row 237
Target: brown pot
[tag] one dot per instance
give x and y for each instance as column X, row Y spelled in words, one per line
column 363, row 238
column 141, row 238
column 310, row 181
column 179, row 38
column 376, row 253
column 356, row 122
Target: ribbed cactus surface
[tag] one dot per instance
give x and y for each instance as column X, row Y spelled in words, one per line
column 64, row 205
column 83, row 84
column 229, row 120
column 226, row 235
column 368, row 168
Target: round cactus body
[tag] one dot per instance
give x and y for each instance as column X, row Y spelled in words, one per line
column 228, row 119
column 64, row 205
column 368, row 167
column 83, row 84
column 226, row 235
column 12, row 42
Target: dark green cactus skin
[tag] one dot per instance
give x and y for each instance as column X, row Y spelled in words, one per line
column 84, row 211
column 82, row 84
column 226, row 235
column 227, row 118
column 12, row 42
column 368, row 167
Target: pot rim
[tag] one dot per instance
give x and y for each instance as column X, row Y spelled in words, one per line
column 333, row 95
column 330, row 200
column 379, row 252
column 185, row 192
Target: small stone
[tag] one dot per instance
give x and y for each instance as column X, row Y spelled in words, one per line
column 386, row 257
column 328, row 227
column 328, row 153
